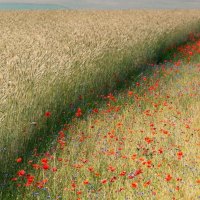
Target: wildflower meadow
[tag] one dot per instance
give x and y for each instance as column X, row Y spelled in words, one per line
column 103, row 106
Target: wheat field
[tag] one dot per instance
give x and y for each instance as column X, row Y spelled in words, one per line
column 48, row 59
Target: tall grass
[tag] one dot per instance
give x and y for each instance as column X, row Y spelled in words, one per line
column 48, row 59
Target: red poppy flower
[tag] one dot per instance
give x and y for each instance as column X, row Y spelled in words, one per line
column 45, row 181
column 130, row 93
column 133, row 157
column 18, row 160
column 14, row 179
column 111, row 168
column 111, row 97
column 148, row 140
column 134, row 185
column 91, row 169
column 168, row 177
column 138, row 84
column 30, row 180
column 73, row 185
column 85, row 182
column 104, row 181
column 47, row 114
column 180, row 154
column 21, row 173
column 160, row 150
column 113, row 179
column 45, row 166
column 177, row 188
column 78, row 192
column 36, row 166
column 137, row 172
column 54, row 169
column 78, row 112
column 144, row 78
column 44, row 160
column 190, row 53
column 147, row 183
column 95, row 110
column 123, row 173
column 60, row 159
column 187, row 126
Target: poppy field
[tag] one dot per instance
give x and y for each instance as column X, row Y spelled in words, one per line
column 107, row 114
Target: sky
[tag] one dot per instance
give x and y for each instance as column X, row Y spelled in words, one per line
column 115, row 4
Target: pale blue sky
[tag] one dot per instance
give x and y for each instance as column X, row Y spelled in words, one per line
column 116, row 4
